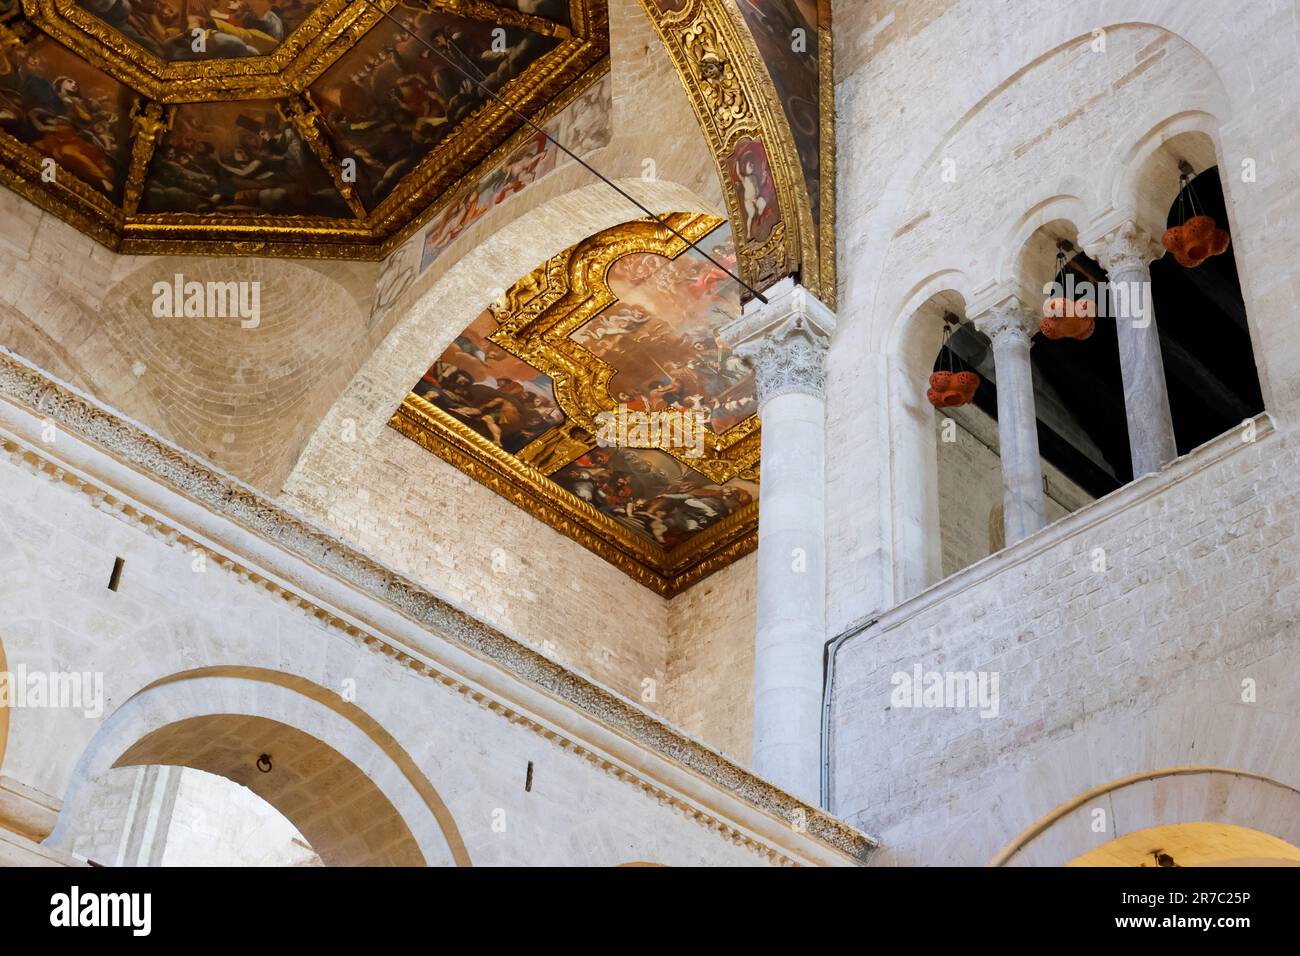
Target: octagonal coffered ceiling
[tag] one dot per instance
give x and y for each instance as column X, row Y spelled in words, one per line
column 321, row 128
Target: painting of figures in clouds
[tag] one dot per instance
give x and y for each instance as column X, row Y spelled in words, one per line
column 238, row 157
column 68, row 111
column 391, row 99
column 661, row 335
column 653, row 493
column 501, row 397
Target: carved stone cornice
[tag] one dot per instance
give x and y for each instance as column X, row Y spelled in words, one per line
column 1126, row 248
column 1009, row 320
column 225, row 497
column 785, row 340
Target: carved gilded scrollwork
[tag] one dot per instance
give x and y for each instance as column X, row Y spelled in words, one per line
column 737, row 105
column 146, row 125
column 306, row 120
column 541, row 312
column 535, row 319
column 667, row 572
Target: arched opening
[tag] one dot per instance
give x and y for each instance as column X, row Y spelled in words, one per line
column 339, row 812
column 162, row 815
column 1193, row 844
column 1204, row 337
column 339, row 778
column 1122, row 822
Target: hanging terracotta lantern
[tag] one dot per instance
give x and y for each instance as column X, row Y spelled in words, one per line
column 952, row 389
column 1199, row 237
column 949, row 389
column 1065, row 318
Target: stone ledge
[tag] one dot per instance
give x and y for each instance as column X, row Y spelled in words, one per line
column 1079, row 522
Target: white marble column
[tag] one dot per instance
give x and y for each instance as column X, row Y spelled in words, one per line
column 1011, row 327
column 786, row 342
column 1126, row 253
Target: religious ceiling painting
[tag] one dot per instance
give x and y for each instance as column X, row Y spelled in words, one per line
column 202, row 29
column 312, row 128
column 788, row 34
column 759, row 77
column 238, row 158
column 583, row 127
column 67, row 112
column 391, row 99
column 557, row 10
column 596, row 395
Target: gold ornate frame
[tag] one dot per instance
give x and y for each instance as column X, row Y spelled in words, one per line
column 735, row 99
column 535, row 319
column 542, row 91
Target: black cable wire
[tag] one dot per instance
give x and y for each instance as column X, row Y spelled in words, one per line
column 568, row 152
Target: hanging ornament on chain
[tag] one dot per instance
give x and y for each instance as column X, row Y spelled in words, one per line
column 950, row 388
column 1199, row 237
column 1064, row 317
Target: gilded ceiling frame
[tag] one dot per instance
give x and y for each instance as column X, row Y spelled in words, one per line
column 579, row 60
column 734, row 99
column 535, row 318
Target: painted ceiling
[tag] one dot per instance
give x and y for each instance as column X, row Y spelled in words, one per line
column 596, row 395
column 319, row 128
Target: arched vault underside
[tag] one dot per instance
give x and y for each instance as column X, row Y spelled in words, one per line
column 760, row 81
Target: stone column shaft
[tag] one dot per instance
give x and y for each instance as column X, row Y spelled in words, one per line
column 786, row 341
column 1126, row 254
column 1024, row 506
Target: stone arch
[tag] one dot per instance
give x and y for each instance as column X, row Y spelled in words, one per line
column 1030, row 49
column 220, row 719
column 1029, row 251
column 1146, row 181
column 704, row 36
column 1193, row 844
column 916, row 340
column 455, row 299
column 1157, row 798
column 1145, row 174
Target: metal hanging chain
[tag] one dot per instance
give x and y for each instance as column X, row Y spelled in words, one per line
column 1187, row 198
column 478, row 82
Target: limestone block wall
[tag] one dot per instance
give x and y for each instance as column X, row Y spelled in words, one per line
column 449, row 532
column 965, row 126
column 230, row 610
column 1158, row 627
column 709, row 691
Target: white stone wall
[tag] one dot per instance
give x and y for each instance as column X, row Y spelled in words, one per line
column 202, row 623
column 1102, row 673
column 964, row 126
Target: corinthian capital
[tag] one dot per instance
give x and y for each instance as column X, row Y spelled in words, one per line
column 784, row 340
column 1126, row 248
column 1009, row 318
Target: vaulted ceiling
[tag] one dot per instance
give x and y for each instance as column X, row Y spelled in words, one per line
column 319, row 128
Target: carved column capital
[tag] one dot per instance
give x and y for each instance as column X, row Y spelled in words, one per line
column 1009, row 318
column 785, row 341
column 1126, row 248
